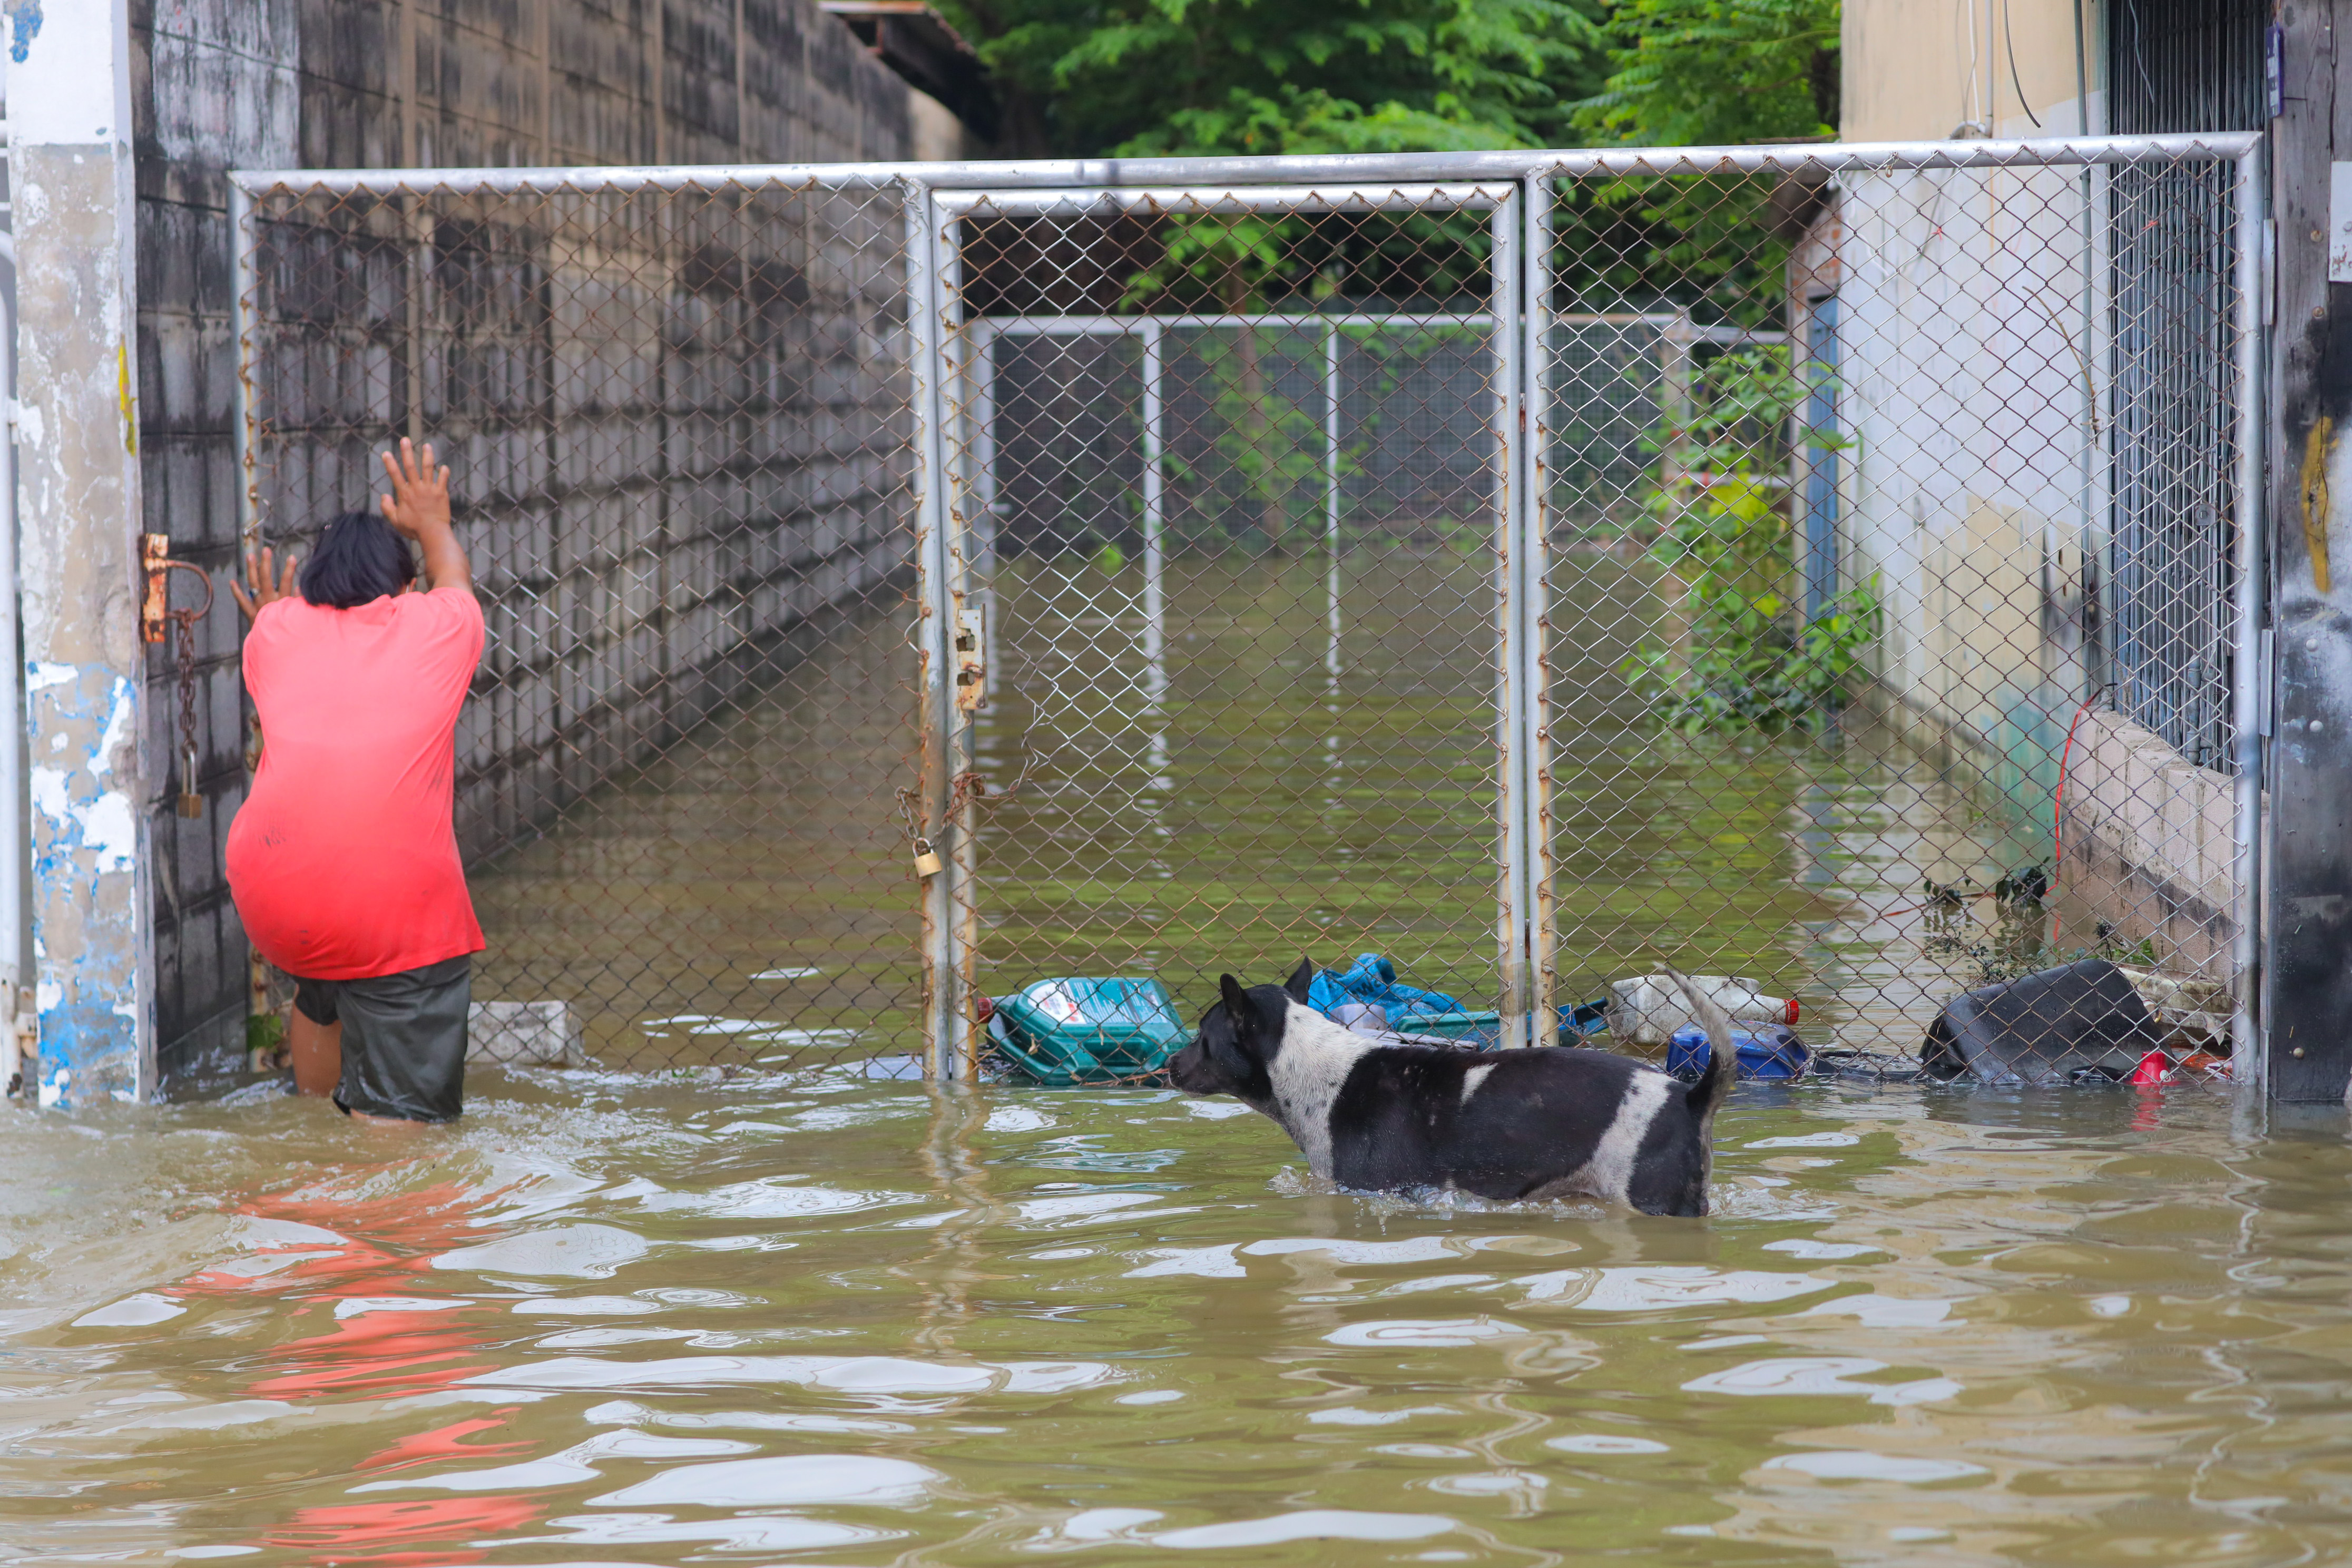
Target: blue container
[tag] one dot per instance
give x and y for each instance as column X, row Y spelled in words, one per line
column 1069, row 1032
column 1769, row 1053
column 1480, row 1031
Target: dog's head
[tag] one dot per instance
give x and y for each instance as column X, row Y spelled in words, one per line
column 1239, row 1037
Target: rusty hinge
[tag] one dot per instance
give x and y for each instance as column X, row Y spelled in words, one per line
column 154, row 610
column 972, row 658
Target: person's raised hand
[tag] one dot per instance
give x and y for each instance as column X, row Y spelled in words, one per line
column 261, row 585
column 419, row 502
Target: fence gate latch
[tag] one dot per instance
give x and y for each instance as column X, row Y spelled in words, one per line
column 971, row 658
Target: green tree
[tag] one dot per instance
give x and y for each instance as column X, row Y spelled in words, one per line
column 1202, row 77
column 1709, row 72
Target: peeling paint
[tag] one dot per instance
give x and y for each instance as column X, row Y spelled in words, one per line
column 25, row 23
column 105, row 823
column 88, row 839
column 124, row 400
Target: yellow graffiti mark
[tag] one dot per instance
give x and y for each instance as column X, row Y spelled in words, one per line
column 2315, row 498
column 123, row 393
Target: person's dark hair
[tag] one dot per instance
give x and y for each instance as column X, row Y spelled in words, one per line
column 358, row 558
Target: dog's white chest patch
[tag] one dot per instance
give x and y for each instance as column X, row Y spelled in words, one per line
column 1308, row 1071
column 1610, row 1170
column 1472, row 1078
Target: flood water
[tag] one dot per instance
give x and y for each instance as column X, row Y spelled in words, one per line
column 1304, row 764
column 813, row 1319
column 802, row 1315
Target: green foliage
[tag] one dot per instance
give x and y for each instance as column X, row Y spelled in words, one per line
column 1713, row 72
column 1725, row 531
column 264, row 1032
column 1700, row 72
column 1141, row 77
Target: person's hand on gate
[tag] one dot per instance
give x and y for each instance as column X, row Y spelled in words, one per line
column 266, row 586
column 419, row 505
column 418, row 509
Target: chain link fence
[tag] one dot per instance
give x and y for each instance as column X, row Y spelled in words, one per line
column 1821, row 568
column 680, row 428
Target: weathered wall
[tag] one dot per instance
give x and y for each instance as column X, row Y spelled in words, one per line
column 220, row 84
column 1913, row 71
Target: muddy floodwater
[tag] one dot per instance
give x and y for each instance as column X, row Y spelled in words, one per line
column 815, row 1319
column 793, row 1314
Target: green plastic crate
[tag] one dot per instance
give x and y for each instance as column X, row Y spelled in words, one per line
column 1065, row 1033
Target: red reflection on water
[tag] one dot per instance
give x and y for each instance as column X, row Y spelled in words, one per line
column 388, row 1533
column 443, row 1442
column 380, row 1247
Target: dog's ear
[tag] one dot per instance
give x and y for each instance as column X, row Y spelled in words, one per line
column 1301, row 978
column 1239, row 1009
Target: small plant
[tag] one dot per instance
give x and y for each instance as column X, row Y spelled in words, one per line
column 2013, row 943
column 1751, row 661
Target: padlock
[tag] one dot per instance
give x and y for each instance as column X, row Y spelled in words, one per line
column 927, row 863
column 191, row 804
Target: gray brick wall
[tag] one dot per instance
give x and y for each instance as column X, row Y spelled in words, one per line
column 393, row 83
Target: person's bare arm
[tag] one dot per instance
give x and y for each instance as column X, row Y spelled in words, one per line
column 418, row 507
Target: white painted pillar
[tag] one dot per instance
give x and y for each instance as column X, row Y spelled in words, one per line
column 69, row 80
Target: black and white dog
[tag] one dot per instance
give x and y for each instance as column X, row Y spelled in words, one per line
column 1543, row 1123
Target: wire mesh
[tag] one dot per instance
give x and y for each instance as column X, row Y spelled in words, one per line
column 1900, row 668
column 1857, row 618
column 1240, row 497
column 679, row 429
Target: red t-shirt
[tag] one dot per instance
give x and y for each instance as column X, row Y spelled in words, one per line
column 344, row 860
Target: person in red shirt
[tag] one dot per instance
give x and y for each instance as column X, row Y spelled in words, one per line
column 344, row 860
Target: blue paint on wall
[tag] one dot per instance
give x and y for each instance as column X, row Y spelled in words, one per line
column 83, row 732
column 24, row 19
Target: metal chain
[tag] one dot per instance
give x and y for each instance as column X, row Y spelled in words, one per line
column 187, row 640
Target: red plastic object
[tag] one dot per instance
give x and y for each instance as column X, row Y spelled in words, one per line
column 984, row 1009
column 1791, row 1018
column 2153, row 1068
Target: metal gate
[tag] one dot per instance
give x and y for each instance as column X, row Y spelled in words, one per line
column 1165, row 727
column 1525, row 567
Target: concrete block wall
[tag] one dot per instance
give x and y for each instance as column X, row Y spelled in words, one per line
column 222, row 84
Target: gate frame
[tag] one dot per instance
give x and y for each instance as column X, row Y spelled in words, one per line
column 951, row 915
column 951, row 1045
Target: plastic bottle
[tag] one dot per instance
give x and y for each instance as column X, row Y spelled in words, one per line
column 1647, row 1010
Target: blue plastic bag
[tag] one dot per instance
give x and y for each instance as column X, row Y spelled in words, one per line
column 1373, row 978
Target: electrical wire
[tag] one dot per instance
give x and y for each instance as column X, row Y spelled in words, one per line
column 2010, row 38
column 2058, row 808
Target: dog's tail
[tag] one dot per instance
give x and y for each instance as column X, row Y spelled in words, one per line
column 1713, row 1085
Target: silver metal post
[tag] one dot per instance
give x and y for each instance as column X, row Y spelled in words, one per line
column 1367, row 171
column 2247, row 1049
column 1155, row 606
column 244, row 421
column 980, row 487
column 1331, row 503
column 1512, row 908
column 980, row 420
column 1535, row 572
column 946, row 1018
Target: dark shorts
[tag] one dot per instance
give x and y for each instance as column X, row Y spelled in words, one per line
column 404, row 1037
